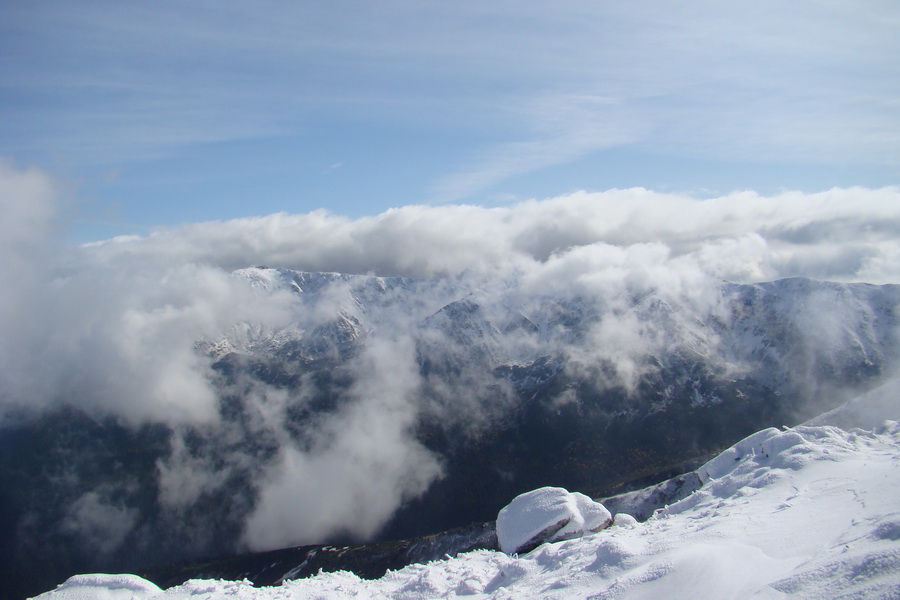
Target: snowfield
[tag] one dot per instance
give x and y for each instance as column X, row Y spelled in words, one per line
column 808, row 512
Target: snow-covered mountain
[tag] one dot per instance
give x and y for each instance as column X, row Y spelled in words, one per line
column 541, row 380
column 787, row 334
column 355, row 408
column 495, row 344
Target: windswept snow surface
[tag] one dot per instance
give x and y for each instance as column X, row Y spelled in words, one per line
column 810, row 512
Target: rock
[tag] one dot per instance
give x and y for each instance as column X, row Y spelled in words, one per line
column 548, row 514
column 624, row 520
column 596, row 517
column 641, row 504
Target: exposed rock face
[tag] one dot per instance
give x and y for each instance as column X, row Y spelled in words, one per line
column 548, row 514
column 641, row 504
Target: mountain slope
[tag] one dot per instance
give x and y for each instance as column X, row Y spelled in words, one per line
column 810, row 512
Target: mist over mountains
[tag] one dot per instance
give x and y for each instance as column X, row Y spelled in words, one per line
column 502, row 389
column 392, row 407
column 163, row 398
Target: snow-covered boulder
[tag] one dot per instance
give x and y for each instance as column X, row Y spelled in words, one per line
column 101, row 586
column 548, row 514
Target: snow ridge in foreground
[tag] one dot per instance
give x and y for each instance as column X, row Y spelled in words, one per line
column 810, row 512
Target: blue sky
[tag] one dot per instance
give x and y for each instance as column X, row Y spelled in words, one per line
column 164, row 113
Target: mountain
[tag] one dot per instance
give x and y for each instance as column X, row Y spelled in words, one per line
column 366, row 408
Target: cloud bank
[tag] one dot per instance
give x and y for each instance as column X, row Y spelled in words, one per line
column 112, row 327
column 841, row 234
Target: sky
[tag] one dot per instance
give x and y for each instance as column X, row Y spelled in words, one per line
column 156, row 115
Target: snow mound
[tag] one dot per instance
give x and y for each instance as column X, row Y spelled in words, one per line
column 548, row 514
column 772, row 449
column 101, row 586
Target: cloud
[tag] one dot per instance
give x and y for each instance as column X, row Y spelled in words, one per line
column 565, row 128
column 28, row 245
column 113, row 338
column 112, row 326
column 119, row 329
column 364, row 465
column 102, row 522
column 121, row 341
column 125, row 314
column 741, row 236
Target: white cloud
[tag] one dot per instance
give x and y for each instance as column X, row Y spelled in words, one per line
column 364, row 466
column 111, row 327
column 780, row 235
column 561, row 128
column 104, row 523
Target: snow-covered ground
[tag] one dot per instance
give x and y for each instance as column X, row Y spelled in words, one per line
column 810, row 512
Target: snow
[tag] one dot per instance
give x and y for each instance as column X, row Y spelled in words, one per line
column 810, row 512
column 106, row 587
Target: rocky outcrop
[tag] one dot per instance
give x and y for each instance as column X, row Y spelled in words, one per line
column 641, row 504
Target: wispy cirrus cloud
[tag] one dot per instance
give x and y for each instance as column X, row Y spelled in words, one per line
column 560, row 129
column 513, row 87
